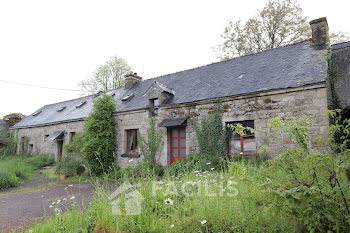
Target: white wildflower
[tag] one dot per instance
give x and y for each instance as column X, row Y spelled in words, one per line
column 169, row 201
column 209, row 163
column 212, row 168
column 50, row 206
column 72, row 198
column 70, row 185
column 203, row 222
column 64, row 199
column 172, row 225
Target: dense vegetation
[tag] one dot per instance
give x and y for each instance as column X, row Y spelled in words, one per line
column 99, row 135
column 301, row 190
column 13, row 171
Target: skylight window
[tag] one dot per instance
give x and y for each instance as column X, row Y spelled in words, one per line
column 36, row 113
column 81, row 104
column 61, row 109
column 128, row 97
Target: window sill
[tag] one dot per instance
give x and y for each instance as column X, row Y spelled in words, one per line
column 126, row 155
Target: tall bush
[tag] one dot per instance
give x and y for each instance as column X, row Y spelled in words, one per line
column 211, row 134
column 100, row 132
column 11, row 146
column 153, row 144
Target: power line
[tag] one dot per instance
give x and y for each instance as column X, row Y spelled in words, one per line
column 30, row 85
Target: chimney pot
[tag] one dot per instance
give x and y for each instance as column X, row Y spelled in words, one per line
column 319, row 28
column 131, row 79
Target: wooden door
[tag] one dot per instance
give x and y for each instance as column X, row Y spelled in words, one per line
column 177, row 144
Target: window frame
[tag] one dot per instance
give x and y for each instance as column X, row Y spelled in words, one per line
column 250, row 135
column 135, row 144
column 154, row 106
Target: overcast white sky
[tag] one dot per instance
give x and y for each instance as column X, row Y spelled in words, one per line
column 58, row 43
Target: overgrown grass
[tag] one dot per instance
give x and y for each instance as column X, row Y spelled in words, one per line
column 15, row 170
column 232, row 201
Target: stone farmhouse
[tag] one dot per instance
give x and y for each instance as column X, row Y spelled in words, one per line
column 253, row 89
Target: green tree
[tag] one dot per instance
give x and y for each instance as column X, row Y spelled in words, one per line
column 108, row 76
column 279, row 23
column 153, row 144
column 13, row 118
column 100, row 132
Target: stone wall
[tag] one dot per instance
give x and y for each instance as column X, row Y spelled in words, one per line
column 341, row 59
column 260, row 107
column 36, row 136
column 311, row 101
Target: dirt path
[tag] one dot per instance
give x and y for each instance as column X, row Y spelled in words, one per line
column 23, row 206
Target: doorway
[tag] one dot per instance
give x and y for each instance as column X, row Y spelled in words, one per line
column 177, row 144
column 59, row 150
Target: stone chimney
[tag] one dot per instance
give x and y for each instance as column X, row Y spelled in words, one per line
column 319, row 28
column 131, row 79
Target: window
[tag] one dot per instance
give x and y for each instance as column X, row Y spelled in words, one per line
column 37, row 113
column 128, row 97
column 154, row 107
column 71, row 136
column 61, row 109
column 81, row 104
column 246, row 144
column 131, row 141
column 31, row 147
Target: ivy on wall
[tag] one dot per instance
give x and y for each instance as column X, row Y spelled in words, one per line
column 332, row 74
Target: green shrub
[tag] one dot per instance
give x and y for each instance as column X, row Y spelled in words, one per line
column 200, row 162
column 69, row 165
column 40, row 161
column 212, row 135
column 100, row 132
column 142, row 170
column 311, row 187
column 8, row 180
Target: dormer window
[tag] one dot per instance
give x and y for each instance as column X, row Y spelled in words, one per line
column 61, row 109
column 36, row 113
column 154, row 104
column 81, row 104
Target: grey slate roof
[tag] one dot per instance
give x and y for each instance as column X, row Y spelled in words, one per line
column 340, row 45
column 286, row 67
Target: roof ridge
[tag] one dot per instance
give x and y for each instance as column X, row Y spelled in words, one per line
column 214, row 63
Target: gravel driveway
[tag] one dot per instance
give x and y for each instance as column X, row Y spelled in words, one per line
column 23, row 206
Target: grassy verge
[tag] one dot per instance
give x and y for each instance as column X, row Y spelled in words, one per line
column 15, row 170
column 231, row 201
